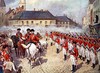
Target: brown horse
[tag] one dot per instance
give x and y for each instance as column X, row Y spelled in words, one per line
column 21, row 49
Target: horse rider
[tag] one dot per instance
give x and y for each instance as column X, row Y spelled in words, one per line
column 19, row 34
column 33, row 38
column 27, row 35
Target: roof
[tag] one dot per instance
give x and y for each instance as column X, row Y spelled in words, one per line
column 10, row 11
column 62, row 18
column 91, row 1
column 29, row 15
column 2, row 3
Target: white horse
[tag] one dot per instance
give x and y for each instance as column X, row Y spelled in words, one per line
column 31, row 50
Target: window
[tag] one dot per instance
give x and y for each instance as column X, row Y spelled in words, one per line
column 40, row 22
column 22, row 22
column 61, row 22
column 32, row 22
column 50, row 22
column 27, row 22
column 45, row 22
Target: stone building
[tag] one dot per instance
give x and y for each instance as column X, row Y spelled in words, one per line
column 33, row 18
column 89, row 17
column 96, row 11
column 2, row 11
column 64, row 21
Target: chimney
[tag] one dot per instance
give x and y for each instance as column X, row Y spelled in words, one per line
column 34, row 9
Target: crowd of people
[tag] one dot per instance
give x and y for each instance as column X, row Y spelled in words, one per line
column 83, row 47
column 6, row 58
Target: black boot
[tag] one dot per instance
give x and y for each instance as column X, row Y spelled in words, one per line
column 46, row 39
column 65, row 57
column 73, row 68
column 93, row 65
column 51, row 43
column 83, row 59
column 57, row 50
column 80, row 56
column 88, row 61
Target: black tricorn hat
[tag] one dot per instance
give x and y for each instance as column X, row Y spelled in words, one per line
column 32, row 30
column 28, row 29
column 18, row 29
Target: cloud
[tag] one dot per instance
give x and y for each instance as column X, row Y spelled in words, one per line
column 74, row 9
column 9, row 1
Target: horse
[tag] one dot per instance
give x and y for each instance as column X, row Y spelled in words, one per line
column 21, row 49
column 15, row 43
column 31, row 50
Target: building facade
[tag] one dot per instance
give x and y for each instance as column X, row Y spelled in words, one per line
column 96, row 10
column 88, row 19
column 33, row 18
column 2, row 11
column 64, row 21
column 21, row 16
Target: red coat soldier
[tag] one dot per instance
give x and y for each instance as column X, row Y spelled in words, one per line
column 27, row 35
column 33, row 38
column 19, row 34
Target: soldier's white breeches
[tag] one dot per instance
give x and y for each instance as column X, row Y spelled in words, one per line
column 64, row 51
column 93, row 59
column 87, row 55
column 98, row 55
column 79, row 52
column 57, row 46
column 73, row 60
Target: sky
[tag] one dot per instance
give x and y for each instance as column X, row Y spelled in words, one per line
column 74, row 9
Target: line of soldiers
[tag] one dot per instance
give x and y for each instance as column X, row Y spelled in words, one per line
column 86, row 48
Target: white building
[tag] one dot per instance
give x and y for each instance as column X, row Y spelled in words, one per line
column 33, row 18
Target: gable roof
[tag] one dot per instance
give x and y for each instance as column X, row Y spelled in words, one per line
column 2, row 3
column 29, row 15
column 62, row 18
